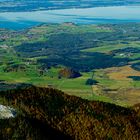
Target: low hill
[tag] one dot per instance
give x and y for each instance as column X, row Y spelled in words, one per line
column 46, row 114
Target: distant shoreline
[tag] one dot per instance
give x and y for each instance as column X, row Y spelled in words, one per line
column 63, row 8
column 96, row 15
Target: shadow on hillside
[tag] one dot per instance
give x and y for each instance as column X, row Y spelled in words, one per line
column 28, row 128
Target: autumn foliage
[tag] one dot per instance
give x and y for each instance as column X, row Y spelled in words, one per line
column 51, row 114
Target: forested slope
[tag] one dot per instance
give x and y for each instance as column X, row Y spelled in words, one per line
column 51, row 114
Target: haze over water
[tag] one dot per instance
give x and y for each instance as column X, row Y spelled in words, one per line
column 98, row 15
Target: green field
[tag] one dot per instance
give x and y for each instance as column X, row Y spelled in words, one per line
column 37, row 55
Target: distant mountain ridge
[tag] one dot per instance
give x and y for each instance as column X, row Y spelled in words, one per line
column 25, row 5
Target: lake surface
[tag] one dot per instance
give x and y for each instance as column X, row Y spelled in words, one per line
column 98, row 15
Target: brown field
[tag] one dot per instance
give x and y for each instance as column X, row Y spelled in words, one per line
column 122, row 90
column 128, row 97
column 121, row 73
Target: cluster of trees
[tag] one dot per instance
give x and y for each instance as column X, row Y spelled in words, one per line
column 15, row 68
column 136, row 66
column 135, row 78
column 4, row 86
column 127, row 50
column 91, row 82
column 68, row 73
column 46, row 113
column 64, row 48
column 89, row 62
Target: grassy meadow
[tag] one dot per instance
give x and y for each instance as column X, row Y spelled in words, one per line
column 24, row 55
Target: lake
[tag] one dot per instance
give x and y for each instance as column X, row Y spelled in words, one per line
column 98, row 15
